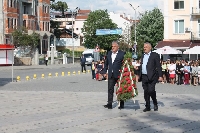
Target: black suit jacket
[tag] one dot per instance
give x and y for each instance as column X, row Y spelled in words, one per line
column 115, row 66
column 154, row 70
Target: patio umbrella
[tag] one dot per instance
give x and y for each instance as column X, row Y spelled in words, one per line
column 194, row 50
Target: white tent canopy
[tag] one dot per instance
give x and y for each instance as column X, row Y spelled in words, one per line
column 167, row 50
column 194, row 50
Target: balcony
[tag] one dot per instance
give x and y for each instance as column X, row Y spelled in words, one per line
column 195, row 11
column 196, row 35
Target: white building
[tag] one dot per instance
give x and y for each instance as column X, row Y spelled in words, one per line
column 77, row 18
column 124, row 22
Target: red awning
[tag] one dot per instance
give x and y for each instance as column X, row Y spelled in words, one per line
column 6, row 46
column 182, row 44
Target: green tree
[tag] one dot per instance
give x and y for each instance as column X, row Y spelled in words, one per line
column 54, row 25
column 98, row 19
column 149, row 29
column 59, row 6
column 24, row 41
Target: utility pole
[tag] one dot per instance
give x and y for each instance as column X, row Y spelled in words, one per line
column 135, row 42
column 73, row 33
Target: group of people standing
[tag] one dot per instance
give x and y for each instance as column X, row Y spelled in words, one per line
column 97, row 70
column 181, row 72
column 176, row 72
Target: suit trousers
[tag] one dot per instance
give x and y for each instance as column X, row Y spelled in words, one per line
column 83, row 67
column 111, row 84
column 149, row 90
column 179, row 79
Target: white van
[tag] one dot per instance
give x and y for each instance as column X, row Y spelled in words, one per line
column 89, row 55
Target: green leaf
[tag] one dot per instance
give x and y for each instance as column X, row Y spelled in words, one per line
column 149, row 29
column 98, row 19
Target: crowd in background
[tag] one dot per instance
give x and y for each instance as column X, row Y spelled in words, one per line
column 97, row 70
column 178, row 71
column 173, row 71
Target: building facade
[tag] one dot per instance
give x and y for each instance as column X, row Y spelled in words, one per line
column 71, row 20
column 181, row 24
column 31, row 14
column 124, row 22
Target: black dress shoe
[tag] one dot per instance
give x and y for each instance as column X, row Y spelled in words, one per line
column 146, row 109
column 108, row 106
column 121, row 107
column 155, row 107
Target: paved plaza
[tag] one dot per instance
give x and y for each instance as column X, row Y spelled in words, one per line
column 74, row 104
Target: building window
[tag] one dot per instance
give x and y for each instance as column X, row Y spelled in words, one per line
column 25, row 10
column 43, row 8
column 11, row 3
column 179, row 26
column 11, row 22
column 24, row 23
column 179, row 4
column 47, row 26
column 76, row 28
column 48, row 9
column 43, row 26
column 8, row 22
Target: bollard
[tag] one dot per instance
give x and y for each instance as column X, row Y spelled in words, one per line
column 18, row 78
column 83, row 72
column 42, row 75
column 27, row 78
column 63, row 74
column 34, row 76
column 74, row 73
column 56, row 74
column 68, row 73
column 49, row 74
column 79, row 72
column 88, row 71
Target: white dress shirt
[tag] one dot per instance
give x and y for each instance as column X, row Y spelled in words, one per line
column 113, row 56
column 145, row 61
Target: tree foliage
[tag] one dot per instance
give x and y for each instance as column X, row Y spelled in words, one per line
column 23, row 40
column 60, row 6
column 98, row 19
column 54, row 25
column 150, row 28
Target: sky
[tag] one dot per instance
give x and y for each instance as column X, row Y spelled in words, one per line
column 116, row 6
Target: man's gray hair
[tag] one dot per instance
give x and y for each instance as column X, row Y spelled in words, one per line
column 115, row 42
column 148, row 44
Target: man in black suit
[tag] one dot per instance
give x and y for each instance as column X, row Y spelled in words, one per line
column 150, row 74
column 113, row 64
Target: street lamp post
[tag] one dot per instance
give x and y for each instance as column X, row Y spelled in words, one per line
column 135, row 42
column 52, row 54
column 73, row 33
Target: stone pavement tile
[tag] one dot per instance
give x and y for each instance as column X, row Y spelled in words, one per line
column 68, row 111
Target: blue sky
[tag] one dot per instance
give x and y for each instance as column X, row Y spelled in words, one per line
column 117, row 6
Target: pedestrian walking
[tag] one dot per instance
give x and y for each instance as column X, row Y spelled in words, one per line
column 46, row 60
column 150, row 74
column 113, row 64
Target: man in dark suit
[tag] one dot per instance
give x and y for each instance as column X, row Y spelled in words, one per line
column 113, row 64
column 83, row 60
column 150, row 74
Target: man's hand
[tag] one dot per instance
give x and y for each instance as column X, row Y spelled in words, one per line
column 160, row 79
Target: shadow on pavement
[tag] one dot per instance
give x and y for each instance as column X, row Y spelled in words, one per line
column 4, row 81
column 169, row 120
